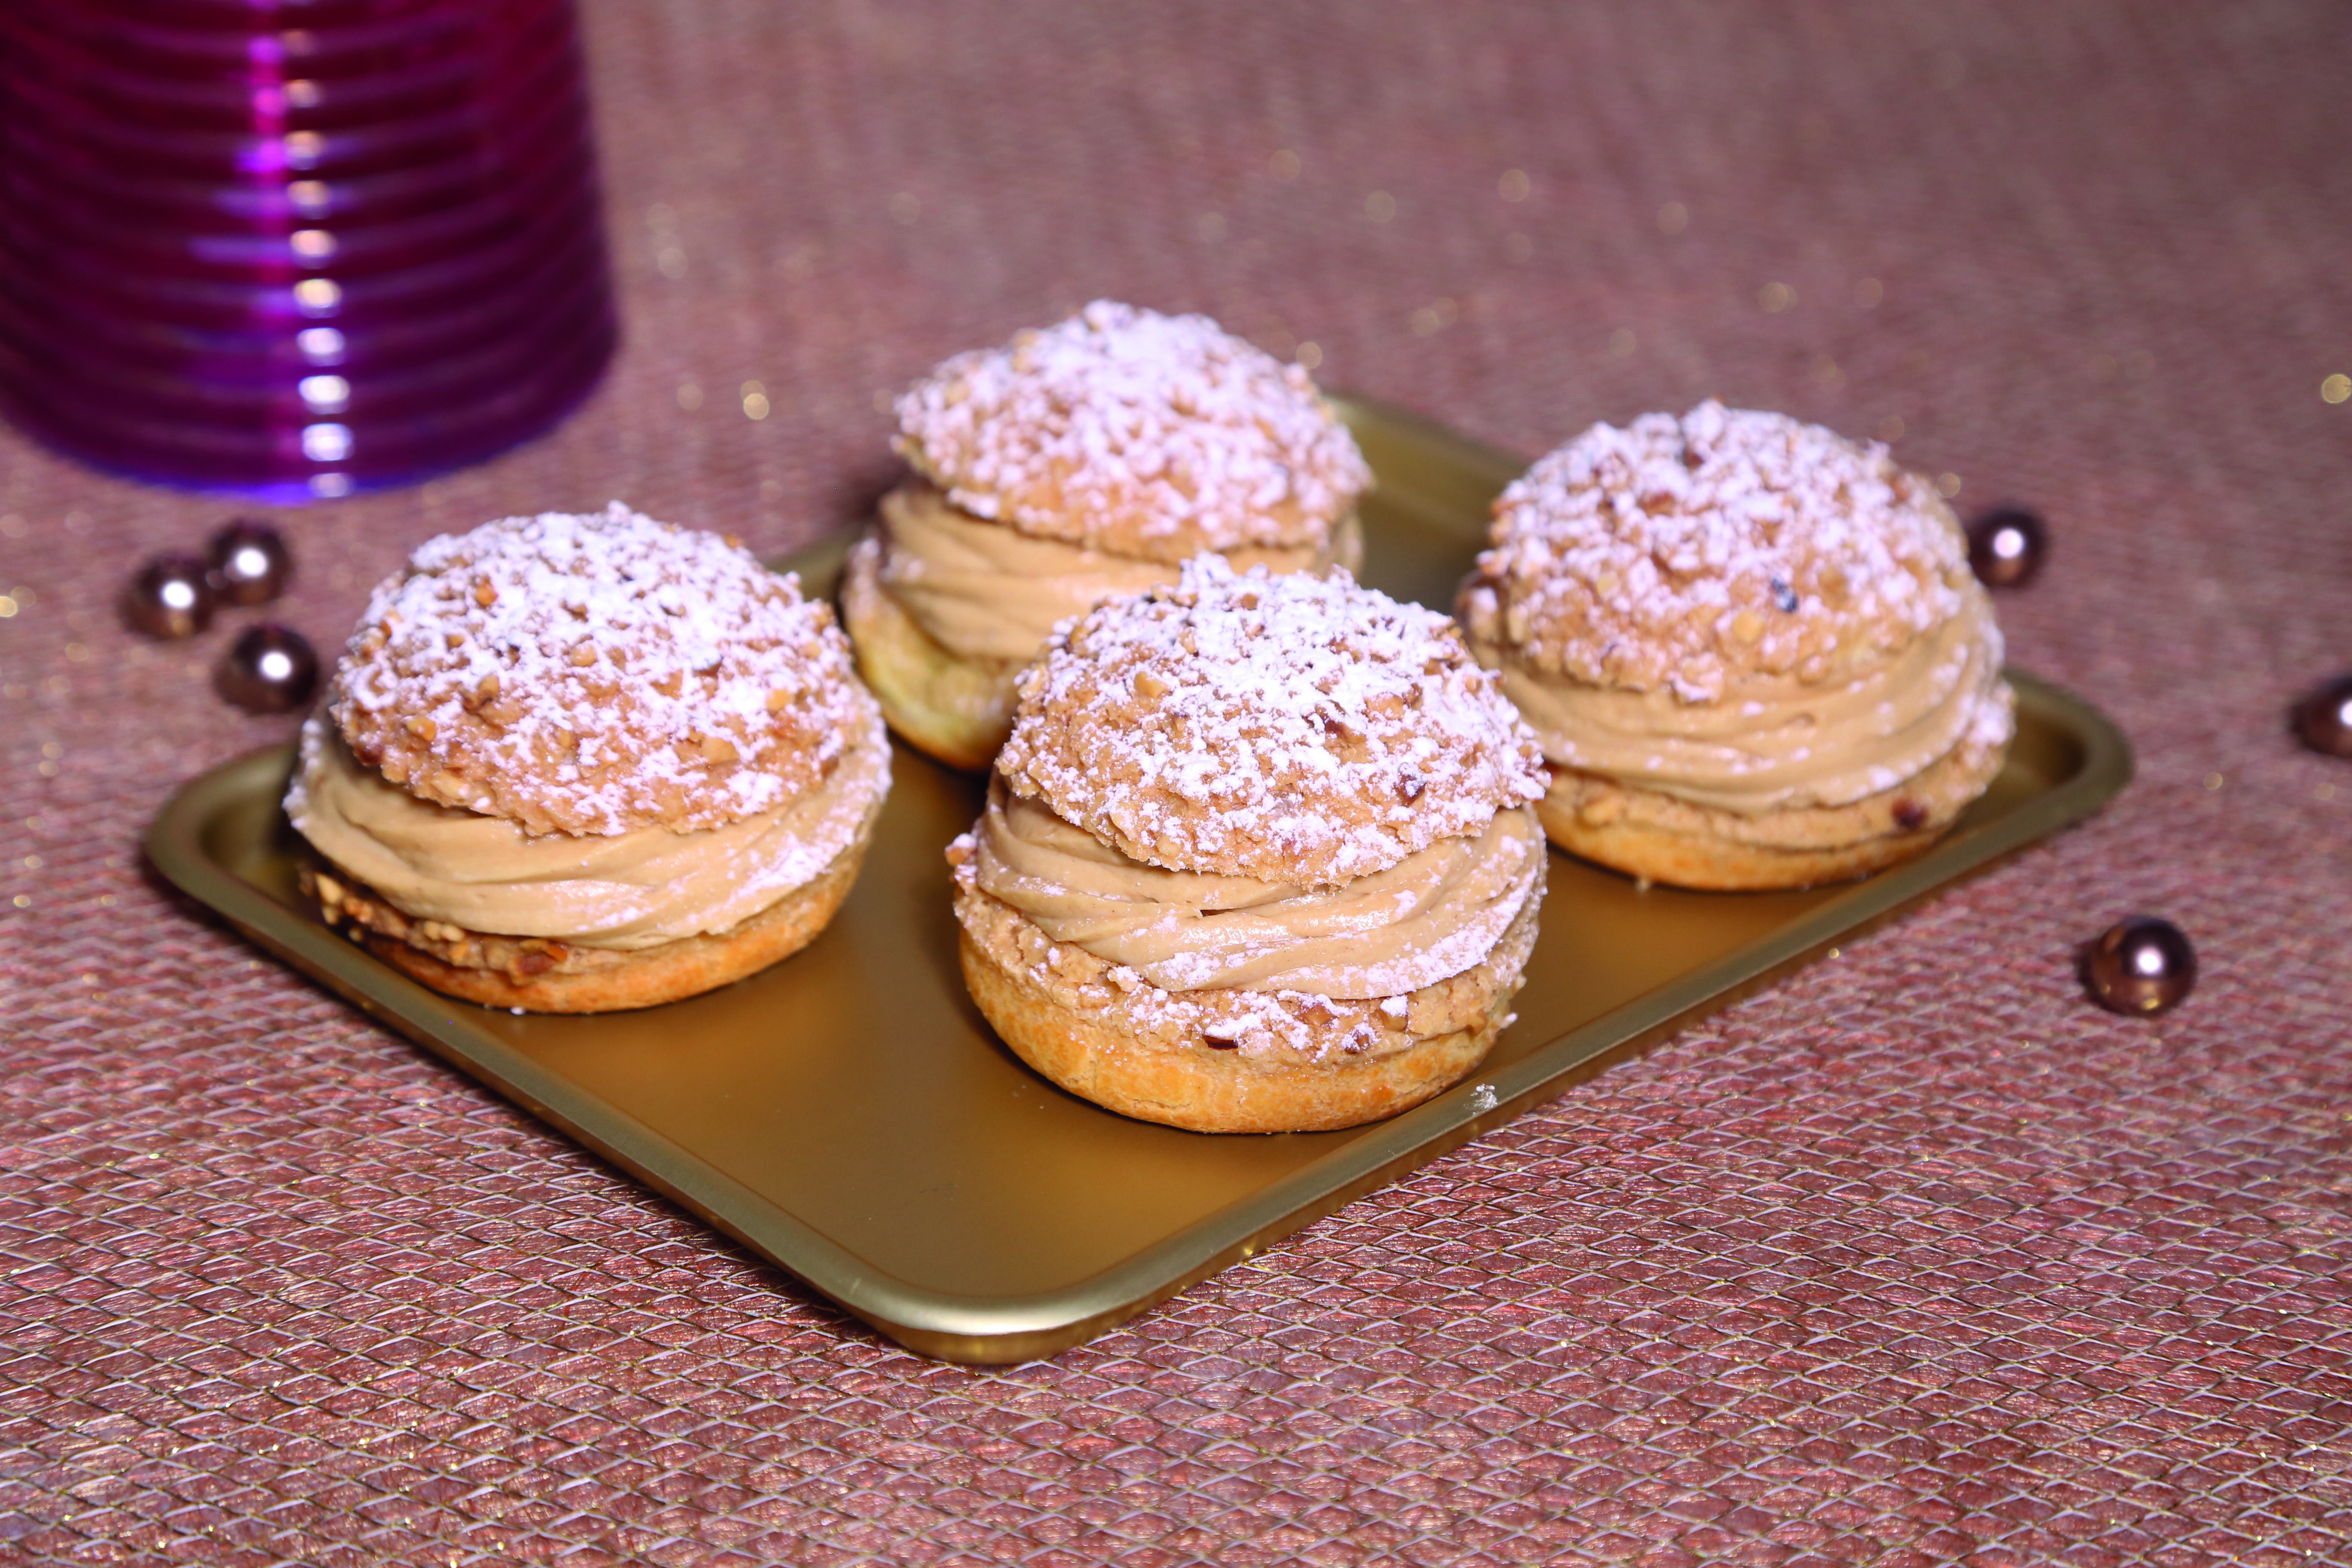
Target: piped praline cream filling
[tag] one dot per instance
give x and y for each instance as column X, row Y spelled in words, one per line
column 986, row 590
column 1780, row 744
column 1433, row 915
column 625, row 890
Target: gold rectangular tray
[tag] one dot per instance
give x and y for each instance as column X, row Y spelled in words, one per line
column 848, row 1115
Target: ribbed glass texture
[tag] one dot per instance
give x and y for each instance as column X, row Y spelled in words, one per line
column 296, row 247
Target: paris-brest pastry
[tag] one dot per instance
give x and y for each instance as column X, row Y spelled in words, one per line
column 1753, row 649
column 570, row 763
column 1077, row 463
column 1258, row 856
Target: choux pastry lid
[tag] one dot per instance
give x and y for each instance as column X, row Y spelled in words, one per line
column 594, row 674
column 1693, row 552
column 1294, row 728
column 1142, row 434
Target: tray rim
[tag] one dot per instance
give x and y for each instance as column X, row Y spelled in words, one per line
column 993, row 1331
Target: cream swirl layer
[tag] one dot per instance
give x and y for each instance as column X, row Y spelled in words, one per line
column 986, row 590
column 1431, row 916
column 1776, row 743
column 624, row 890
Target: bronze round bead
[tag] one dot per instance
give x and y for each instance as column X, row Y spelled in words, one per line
column 2142, row 965
column 270, row 669
column 250, row 562
column 2007, row 547
column 170, row 597
column 2323, row 720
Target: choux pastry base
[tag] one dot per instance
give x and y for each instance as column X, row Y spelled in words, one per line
column 957, row 710
column 1102, row 1057
column 1647, row 833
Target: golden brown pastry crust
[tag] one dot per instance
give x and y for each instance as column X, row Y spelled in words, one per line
column 1147, row 435
column 1693, row 551
column 594, row 674
column 1298, row 1064
column 950, row 707
column 1295, row 729
column 541, row 974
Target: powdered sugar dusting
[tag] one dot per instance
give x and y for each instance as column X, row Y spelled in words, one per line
column 593, row 674
column 1143, row 435
column 1300, row 729
column 1687, row 551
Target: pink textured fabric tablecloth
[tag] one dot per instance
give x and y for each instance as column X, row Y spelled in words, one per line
column 1917, row 1258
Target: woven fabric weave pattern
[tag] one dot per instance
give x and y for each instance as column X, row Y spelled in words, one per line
column 1916, row 1257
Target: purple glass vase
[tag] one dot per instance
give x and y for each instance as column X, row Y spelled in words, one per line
column 296, row 247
